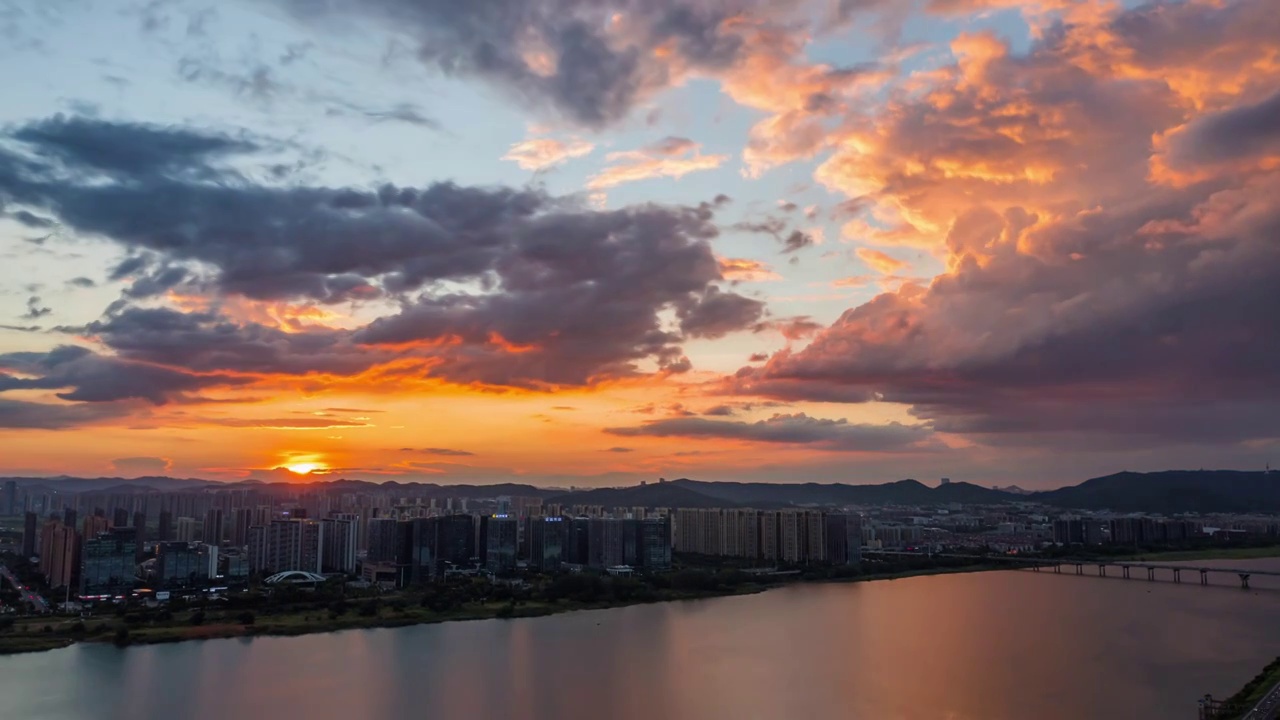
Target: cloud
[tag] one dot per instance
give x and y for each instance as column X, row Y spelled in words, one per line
column 881, row 262
column 746, row 270
column 1086, row 304
column 670, row 157
column 443, row 452
column 142, row 465
column 100, row 378
column 288, row 423
column 792, row 429
column 620, row 450
column 493, row 286
column 34, row 309
column 22, row 415
column 82, row 282
column 541, row 153
column 588, row 60
column 406, row 113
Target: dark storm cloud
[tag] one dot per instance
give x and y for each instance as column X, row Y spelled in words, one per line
column 559, row 53
column 795, row 429
column 1239, row 132
column 17, row 414
column 89, row 377
column 558, row 294
column 126, row 150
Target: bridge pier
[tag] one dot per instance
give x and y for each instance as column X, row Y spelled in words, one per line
column 1102, row 570
column 1057, row 569
column 1244, row 580
column 1079, row 569
column 1126, row 571
column 1035, row 568
column 1151, row 573
column 1204, row 577
column 1177, row 575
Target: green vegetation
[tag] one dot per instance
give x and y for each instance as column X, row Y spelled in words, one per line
column 293, row 610
column 1219, row 553
column 1243, row 701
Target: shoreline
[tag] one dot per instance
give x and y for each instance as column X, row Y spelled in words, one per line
column 295, row 624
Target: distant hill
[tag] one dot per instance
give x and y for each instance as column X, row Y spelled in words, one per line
column 902, row 492
column 1172, row 491
column 669, row 494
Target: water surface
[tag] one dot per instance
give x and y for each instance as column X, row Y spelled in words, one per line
column 981, row 646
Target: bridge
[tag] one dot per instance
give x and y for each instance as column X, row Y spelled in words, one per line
column 1125, row 568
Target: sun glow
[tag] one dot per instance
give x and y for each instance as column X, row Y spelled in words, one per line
column 306, row 468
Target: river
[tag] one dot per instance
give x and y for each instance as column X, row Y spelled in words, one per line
column 979, row 646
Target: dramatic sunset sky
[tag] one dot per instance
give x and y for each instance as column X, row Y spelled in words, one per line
column 597, row 241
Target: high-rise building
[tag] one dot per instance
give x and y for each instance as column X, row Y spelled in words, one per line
column 653, row 543
column 140, row 531
column 120, row 517
column 107, row 563
column 242, row 520
column 29, row 522
column 57, row 554
column 455, row 542
column 182, row 564
column 186, row 529
column 340, row 535
column 10, row 499
column 844, row 539
column 69, row 517
column 257, row 544
column 382, row 540
column 295, row 545
column 165, row 531
column 546, row 542
column 499, row 534
column 213, row 527
column 94, row 525
column 769, row 547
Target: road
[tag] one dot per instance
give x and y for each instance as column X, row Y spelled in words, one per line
column 26, row 592
column 1267, row 708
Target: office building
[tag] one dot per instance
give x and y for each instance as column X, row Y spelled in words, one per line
column 546, row 542
column 382, row 540
column 183, row 564
column 653, row 543
column 120, row 518
column 10, row 498
column 69, row 517
column 107, row 563
column 843, row 539
column 499, row 534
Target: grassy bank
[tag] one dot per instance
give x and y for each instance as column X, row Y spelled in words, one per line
column 1245, row 553
column 392, row 610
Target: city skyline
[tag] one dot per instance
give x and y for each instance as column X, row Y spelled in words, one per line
column 579, row 243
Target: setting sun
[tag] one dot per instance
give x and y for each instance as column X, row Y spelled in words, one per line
column 306, row 468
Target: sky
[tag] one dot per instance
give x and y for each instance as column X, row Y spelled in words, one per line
column 594, row 242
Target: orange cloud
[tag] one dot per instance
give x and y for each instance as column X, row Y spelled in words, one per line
column 542, row 153
column 880, row 262
column 743, row 269
column 671, row 157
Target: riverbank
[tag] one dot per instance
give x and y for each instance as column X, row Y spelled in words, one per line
column 1247, row 553
column 396, row 610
